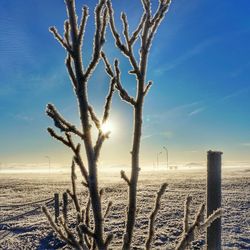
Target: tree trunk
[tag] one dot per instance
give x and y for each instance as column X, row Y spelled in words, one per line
column 92, row 167
column 134, row 175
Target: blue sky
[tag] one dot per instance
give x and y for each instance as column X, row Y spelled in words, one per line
column 199, row 64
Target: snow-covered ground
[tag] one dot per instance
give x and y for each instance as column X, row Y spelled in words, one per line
column 24, row 226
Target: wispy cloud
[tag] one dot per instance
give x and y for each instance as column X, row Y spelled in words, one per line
column 245, row 144
column 197, row 49
column 184, row 106
column 240, row 70
column 22, row 117
column 196, row 111
column 192, row 151
column 166, row 134
column 171, row 114
column 235, row 94
column 147, row 136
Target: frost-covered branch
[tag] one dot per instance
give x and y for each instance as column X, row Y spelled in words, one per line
column 107, row 105
column 188, row 236
column 108, row 239
column 89, row 227
column 116, row 35
column 72, row 41
column 73, row 194
column 148, row 86
column 108, row 67
column 186, row 213
column 85, row 15
column 70, row 234
column 197, row 225
column 79, row 162
column 122, row 92
column 152, row 217
column 66, row 33
column 137, row 31
column 59, row 38
column 98, row 145
column 124, row 177
column 64, row 232
column 60, row 122
column 94, row 117
column 126, row 49
column 146, row 29
column 101, row 23
column 215, row 215
column 156, row 20
column 68, row 63
column 58, row 137
column 110, row 203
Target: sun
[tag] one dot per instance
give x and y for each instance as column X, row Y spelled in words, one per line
column 107, row 127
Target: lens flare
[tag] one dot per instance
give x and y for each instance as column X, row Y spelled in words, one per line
column 107, row 127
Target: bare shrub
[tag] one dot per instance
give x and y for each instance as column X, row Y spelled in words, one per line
column 88, row 231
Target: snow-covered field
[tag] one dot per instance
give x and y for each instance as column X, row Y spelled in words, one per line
column 23, row 225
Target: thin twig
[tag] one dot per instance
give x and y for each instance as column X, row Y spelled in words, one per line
column 58, row 37
column 122, row 92
column 153, row 215
column 60, row 122
column 85, row 14
column 124, row 177
column 58, row 137
column 186, row 213
column 99, row 36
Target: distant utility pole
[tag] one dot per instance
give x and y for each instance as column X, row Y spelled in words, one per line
column 166, row 150
column 46, row 156
column 158, row 158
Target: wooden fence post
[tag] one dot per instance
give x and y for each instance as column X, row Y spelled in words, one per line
column 65, row 206
column 214, row 198
column 56, row 206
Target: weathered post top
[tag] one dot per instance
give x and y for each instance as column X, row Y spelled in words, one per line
column 214, row 164
column 214, row 153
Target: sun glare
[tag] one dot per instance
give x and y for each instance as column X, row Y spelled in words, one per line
column 107, row 127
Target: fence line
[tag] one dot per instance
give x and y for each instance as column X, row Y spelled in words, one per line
column 25, row 213
column 24, row 204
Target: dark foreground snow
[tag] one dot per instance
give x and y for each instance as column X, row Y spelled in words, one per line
column 23, row 225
